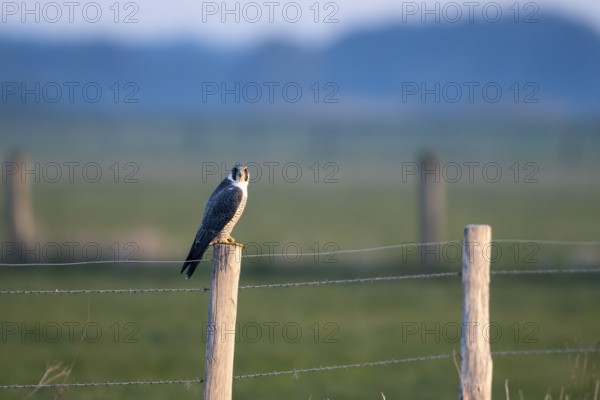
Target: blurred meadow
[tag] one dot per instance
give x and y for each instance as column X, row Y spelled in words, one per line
column 160, row 336
column 326, row 178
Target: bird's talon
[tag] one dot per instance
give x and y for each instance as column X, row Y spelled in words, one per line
column 228, row 243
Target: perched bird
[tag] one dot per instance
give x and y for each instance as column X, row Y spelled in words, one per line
column 223, row 209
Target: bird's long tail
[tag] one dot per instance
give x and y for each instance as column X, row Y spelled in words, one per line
column 195, row 255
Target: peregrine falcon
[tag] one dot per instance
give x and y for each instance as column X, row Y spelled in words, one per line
column 221, row 212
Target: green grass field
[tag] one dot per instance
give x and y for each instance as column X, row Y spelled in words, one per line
column 160, row 336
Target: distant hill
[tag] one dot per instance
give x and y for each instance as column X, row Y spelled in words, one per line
column 554, row 62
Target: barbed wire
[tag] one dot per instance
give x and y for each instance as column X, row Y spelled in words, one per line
column 375, row 279
column 99, row 262
column 102, row 291
column 416, row 359
column 314, row 254
column 350, row 281
column 242, row 287
column 545, row 271
column 102, row 384
column 344, row 366
column 300, row 284
column 543, row 352
column 294, row 372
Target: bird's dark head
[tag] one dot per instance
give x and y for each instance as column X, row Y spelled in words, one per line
column 240, row 173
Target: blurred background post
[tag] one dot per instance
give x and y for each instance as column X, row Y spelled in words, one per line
column 432, row 200
column 21, row 234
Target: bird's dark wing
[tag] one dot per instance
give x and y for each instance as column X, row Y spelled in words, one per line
column 220, row 209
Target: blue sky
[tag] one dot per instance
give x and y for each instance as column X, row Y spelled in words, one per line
column 309, row 22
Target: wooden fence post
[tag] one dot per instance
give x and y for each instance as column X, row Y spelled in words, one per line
column 18, row 203
column 476, row 365
column 222, row 312
column 433, row 205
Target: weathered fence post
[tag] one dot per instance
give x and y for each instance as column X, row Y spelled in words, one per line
column 18, row 202
column 222, row 312
column 433, row 205
column 476, row 365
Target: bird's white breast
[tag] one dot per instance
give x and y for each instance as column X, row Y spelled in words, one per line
column 243, row 186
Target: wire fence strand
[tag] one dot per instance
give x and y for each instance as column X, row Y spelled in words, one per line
column 294, row 372
column 549, row 242
column 39, row 292
column 549, row 271
column 102, row 384
column 315, row 254
column 242, row 287
column 416, row 359
column 253, row 256
column 344, row 366
column 351, row 281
